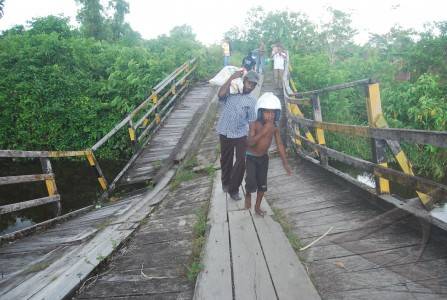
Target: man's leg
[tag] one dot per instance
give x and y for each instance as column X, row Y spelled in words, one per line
column 250, row 180
column 237, row 173
column 261, row 179
column 280, row 76
column 258, row 209
column 275, row 77
column 226, row 160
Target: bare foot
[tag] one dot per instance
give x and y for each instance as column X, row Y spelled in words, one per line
column 247, row 203
column 259, row 211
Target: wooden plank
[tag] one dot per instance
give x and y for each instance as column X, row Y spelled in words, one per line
column 214, row 282
column 334, row 87
column 435, row 138
column 288, row 274
column 20, row 153
column 27, row 204
column 25, row 178
column 218, row 205
column 251, row 275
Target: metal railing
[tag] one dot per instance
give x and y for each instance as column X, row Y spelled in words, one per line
column 141, row 123
column 377, row 130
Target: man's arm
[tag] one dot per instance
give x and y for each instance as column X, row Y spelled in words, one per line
column 225, row 88
column 282, row 152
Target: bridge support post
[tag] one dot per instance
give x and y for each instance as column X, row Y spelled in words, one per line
column 318, row 131
column 133, row 136
column 50, row 183
column 374, row 108
column 94, row 164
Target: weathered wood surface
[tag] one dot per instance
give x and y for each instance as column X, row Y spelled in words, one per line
column 168, row 136
column 368, row 254
column 215, row 282
column 153, row 264
column 25, row 178
column 23, row 260
column 27, row 204
column 251, row 275
column 289, row 277
column 51, row 264
column 435, row 138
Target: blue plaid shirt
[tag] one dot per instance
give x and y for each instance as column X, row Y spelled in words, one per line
column 238, row 110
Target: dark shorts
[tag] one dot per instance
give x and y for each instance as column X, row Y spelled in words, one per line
column 256, row 173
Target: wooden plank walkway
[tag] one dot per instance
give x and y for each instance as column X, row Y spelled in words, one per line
column 249, row 253
column 170, row 136
column 384, row 260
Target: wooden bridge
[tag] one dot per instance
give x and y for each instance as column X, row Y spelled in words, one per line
column 326, row 235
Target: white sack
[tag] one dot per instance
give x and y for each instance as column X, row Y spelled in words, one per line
column 236, row 84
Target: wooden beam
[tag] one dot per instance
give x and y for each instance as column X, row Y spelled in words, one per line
column 437, row 190
column 435, row 138
column 27, row 204
column 37, row 154
column 24, row 178
column 334, row 88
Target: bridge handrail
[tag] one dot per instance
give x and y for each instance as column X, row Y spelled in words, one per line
column 177, row 82
column 157, row 89
column 428, row 190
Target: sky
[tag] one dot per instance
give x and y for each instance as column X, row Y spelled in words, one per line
column 210, row 19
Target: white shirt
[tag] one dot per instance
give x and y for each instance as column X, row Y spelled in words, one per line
column 279, row 59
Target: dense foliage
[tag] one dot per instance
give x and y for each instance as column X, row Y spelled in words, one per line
column 410, row 66
column 63, row 88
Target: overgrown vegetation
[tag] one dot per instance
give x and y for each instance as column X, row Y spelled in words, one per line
column 63, row 88
column 184, row 173
column 411, row 67
column 281, row 218
column 199, row 229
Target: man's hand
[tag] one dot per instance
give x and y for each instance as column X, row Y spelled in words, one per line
column 236, row 74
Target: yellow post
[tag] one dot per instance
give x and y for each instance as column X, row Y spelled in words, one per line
column 92, row 162
column 374, row 109
column 154, row 98
column 318, row 131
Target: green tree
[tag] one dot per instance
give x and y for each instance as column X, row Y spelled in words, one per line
column 90, row 15
column 338, row 35
column 2, row 4
column 121, row 8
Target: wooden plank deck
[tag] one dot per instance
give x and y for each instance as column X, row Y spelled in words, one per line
column 263, row 265
column 384, row 259
column 169, row 136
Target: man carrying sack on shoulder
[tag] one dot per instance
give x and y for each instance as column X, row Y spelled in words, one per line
column 238, row 112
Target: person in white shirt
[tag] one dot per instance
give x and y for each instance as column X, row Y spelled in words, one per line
column 279, row 57
column 226, row 48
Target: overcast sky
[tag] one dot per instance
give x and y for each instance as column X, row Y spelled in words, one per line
column 210, row 18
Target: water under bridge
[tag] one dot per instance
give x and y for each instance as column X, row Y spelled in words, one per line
column 326, row 235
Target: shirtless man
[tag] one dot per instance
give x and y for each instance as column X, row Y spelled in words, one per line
column 260, row 137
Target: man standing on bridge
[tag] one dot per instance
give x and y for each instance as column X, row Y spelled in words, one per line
column 237, row 112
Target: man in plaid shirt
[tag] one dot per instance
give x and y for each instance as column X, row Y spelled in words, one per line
column 238, row 111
